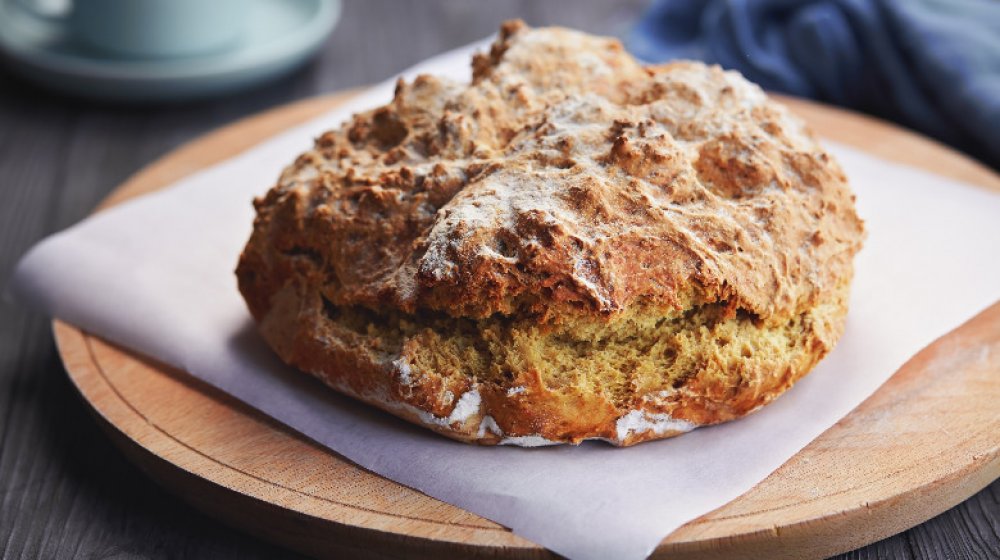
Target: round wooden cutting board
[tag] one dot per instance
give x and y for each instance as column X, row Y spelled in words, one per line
column 927, row 440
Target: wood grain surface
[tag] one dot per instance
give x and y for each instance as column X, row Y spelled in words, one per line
column 65, row 491
column 925, row 441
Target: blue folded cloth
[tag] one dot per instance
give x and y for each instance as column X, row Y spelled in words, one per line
column 933, row 65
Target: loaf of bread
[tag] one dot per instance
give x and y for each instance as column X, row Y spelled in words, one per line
column 572, row 246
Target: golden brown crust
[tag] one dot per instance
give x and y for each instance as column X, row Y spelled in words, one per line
column 566, row 184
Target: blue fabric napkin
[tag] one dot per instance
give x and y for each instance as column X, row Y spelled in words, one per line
column 933, row 65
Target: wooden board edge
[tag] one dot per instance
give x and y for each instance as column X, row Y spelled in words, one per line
column 198, row 489
column 974, row 173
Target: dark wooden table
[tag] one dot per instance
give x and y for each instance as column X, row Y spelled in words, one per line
column 65, row 492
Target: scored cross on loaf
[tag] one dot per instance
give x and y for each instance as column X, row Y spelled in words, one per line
column 572, row 246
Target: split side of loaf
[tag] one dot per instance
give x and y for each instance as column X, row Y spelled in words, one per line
column 572, row 246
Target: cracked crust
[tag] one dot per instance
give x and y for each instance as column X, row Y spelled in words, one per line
column 572, row 246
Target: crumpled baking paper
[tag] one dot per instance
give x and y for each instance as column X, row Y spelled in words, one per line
column 156, row 275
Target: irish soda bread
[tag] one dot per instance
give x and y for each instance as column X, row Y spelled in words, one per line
column 573, row 246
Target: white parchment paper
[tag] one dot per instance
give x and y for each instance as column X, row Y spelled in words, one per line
column 156, row 275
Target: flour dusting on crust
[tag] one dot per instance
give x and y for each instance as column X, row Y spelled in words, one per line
column 571, row 246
